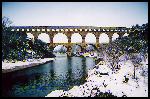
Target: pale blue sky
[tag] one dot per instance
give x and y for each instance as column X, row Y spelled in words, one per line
column 76, row 13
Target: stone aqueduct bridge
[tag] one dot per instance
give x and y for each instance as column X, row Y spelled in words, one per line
column 69, row 30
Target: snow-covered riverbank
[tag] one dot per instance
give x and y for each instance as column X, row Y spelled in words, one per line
column 8, row 67
column 119, row 83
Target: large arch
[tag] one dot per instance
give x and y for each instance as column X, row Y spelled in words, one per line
column 76, row 49
column 44, row 37
column 30, row 36
column 90, row 38
column 60, row 49
column 115, row 36
column 91, row 47
column 60, row 38
column 103, row 38
column 126, row 34
column 76, row 38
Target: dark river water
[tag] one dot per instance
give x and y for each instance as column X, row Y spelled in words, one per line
column 60, row 74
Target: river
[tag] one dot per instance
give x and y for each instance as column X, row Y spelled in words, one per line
column 60, row 74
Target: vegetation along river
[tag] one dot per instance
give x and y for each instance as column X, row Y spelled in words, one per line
column 62, row 73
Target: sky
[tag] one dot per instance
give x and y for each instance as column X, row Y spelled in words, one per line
column 112, row 14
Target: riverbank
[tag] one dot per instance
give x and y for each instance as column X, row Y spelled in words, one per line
column 119, row 83
column 9, row 67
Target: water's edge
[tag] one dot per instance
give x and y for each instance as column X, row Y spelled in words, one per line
column 24, row 65
column 38, row 81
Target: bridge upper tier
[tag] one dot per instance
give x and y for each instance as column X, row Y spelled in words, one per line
column 68, row 28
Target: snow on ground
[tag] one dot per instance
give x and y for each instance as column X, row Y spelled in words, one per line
column 102, row 78
column 55, row 93
column 6, row 65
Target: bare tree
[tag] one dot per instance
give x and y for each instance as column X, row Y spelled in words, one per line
column 6, row 23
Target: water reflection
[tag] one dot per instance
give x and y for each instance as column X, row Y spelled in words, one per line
column 89, row 63
column 77, row 67
column 60, row 67
column 62, row 73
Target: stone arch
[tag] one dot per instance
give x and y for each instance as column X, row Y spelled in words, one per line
column 60, row 48
column 30, row 36
column 90, row 47
column 76, row 38
column 76, row 49
column 115, row 36
column 103, row 38
column 126, row 34
column 44, row 37
column 60, row 38
column 90, row 38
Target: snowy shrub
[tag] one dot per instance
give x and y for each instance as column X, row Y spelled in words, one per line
column 133, row 47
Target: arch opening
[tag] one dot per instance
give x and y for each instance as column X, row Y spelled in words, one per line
column 60, row 50
column 126, row 34
column 115, row 36
column 30, row 36
column 60, row 38
column 76, row 38
column 90, row 51
column 90, row 38
column 76, row 50
column 90, row 48
column 44, row 37
column 103, row 38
